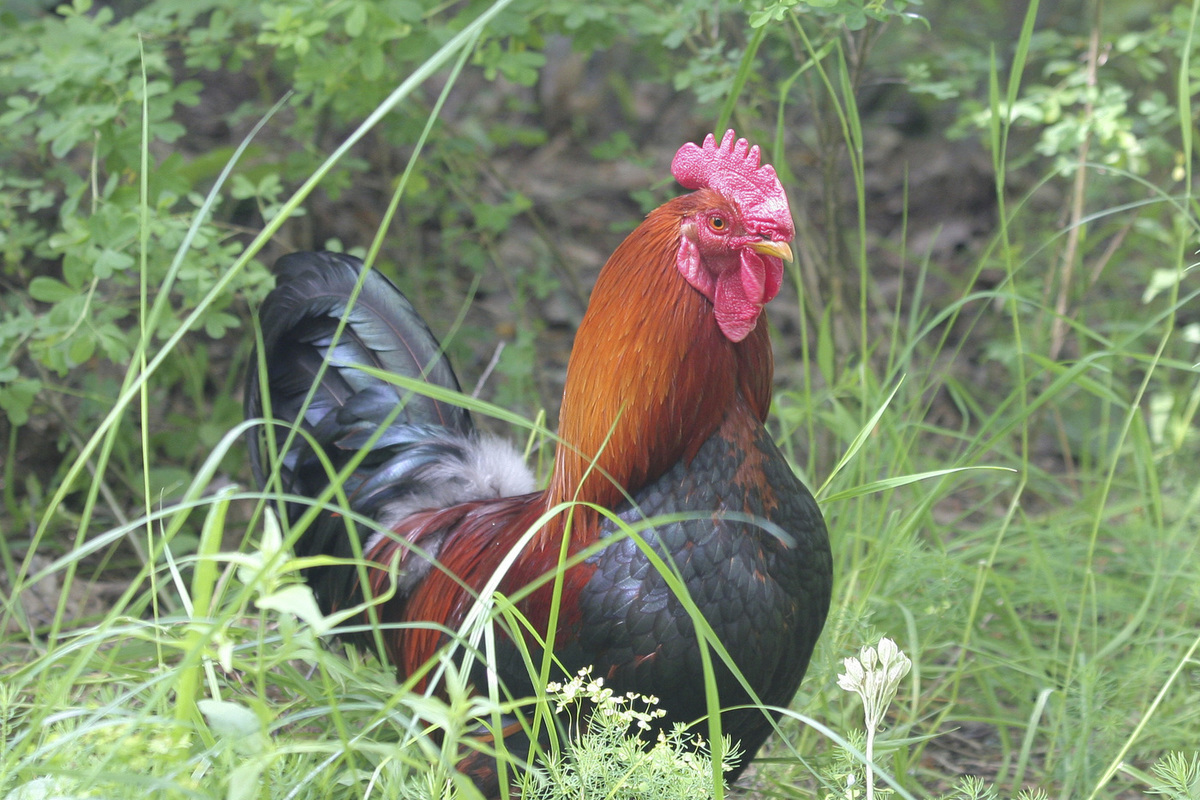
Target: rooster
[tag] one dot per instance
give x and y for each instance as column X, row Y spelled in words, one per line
column 667, row 389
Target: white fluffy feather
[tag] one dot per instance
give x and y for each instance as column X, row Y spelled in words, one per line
column 490, row 467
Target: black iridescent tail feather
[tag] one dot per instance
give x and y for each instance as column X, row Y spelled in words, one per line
column 427, row 454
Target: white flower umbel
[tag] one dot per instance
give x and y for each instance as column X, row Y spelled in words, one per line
column 622, row 709
column 609, row 753
column 874, row 676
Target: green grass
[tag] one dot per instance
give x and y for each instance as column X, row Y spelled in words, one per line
column 1028, row 539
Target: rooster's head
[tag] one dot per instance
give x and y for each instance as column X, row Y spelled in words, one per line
column 733, row 243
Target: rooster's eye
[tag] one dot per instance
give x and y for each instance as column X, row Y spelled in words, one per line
column 716, row 223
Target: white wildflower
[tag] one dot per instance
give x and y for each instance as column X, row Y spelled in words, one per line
column 875, row 676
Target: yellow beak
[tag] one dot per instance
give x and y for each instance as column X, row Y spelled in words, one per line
column 769, row 248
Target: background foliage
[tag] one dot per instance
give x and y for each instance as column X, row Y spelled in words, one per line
column 997, row 229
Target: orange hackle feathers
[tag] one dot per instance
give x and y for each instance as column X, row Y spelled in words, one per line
column 651, row 375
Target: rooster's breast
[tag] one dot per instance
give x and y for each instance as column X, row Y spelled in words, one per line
column 746, row 539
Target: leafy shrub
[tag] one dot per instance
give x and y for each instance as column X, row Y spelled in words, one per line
column 89, row 239
column 89, row 236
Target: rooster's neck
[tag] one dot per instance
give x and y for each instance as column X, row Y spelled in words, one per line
column 651, row 376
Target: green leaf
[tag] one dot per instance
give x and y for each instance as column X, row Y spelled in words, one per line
column 1161, row 280
column 272, row 536
column 17, row 396
column 245, row 781
column 825, row 347
column 81, row 348
column 111, row 261
column 298, row 601
column 216, row 325
column 356, row 21
column 49, row 290
column 903, row 480
column 231, row 721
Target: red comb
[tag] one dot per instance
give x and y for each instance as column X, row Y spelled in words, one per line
column 733, row 169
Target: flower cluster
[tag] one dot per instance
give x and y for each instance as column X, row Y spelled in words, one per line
column 875, row 676
column 621, row 708
column 607, row 753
